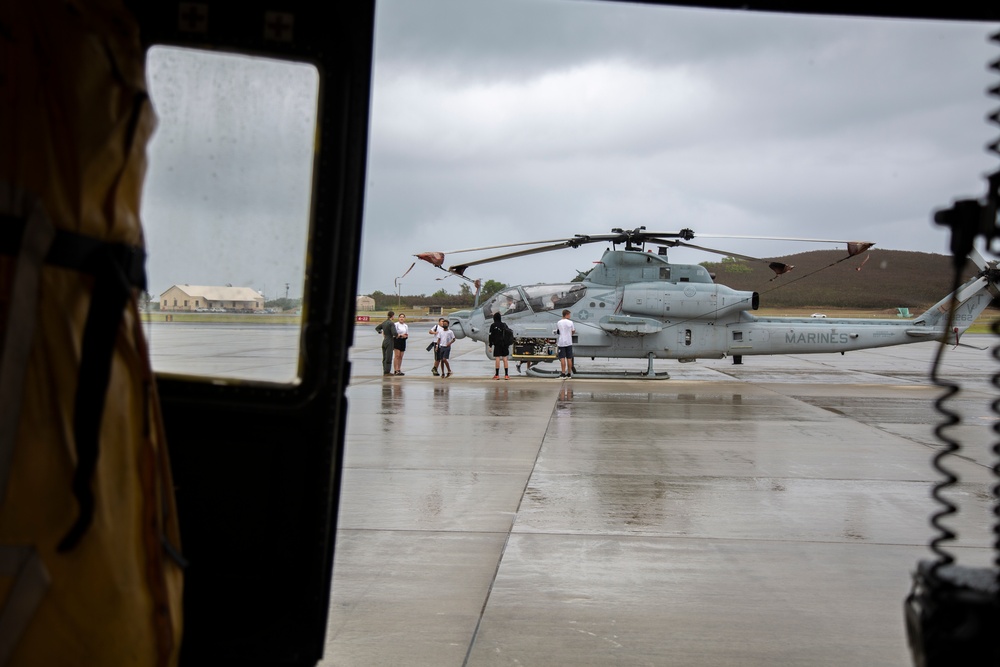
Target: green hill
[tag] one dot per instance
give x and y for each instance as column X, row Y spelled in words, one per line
column 888, row 279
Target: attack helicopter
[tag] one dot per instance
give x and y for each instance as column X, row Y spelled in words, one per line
column 635, row 304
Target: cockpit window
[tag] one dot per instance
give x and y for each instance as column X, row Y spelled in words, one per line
column 506, row 302
column 554, row 297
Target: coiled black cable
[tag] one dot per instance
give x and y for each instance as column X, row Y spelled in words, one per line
column 967, row 219
column 951, row 418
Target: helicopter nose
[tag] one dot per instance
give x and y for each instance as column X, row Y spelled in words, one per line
column 457, row 329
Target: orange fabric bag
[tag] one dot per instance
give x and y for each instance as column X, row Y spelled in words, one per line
column 88, row 529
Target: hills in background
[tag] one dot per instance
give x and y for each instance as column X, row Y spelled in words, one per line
column 888, row 279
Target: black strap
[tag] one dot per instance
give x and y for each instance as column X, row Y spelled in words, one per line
column 107, row 303
column 75, row 251
column 117, row 268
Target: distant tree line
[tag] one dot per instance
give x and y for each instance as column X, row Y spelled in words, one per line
column 465, row 298
column 283, row 304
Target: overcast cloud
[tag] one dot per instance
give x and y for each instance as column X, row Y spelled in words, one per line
column 498, row 122
column 226, row 197
column 503, row 121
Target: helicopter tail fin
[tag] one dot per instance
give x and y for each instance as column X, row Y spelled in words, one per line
column 972, row 298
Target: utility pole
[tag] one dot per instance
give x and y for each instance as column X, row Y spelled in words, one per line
column 399, row 286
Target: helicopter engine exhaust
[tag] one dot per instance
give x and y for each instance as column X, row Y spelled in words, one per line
column 692, row 300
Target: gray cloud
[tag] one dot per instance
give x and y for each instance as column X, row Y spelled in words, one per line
column 503, row 122
column 498, row 122
column 227, row 193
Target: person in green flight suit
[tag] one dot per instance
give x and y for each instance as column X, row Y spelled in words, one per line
column 388, row 331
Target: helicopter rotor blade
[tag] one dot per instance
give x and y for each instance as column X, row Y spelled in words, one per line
column 437, row 258
column 776, row 238
column 493, row 247
column 574, row 242
column 635, row 236
column 778, row 267
column 460, row 268
column 632, row 239
column 853, row 247
column 617, row 236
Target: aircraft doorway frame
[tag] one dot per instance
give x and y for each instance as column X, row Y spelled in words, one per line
column 257, row 467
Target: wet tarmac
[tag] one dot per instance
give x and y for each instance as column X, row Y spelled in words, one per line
column 769, row 513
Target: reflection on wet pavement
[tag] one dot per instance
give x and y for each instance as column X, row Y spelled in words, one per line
column 763, row 514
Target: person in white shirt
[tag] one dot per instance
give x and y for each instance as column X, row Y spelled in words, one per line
column 434, row 332
column 399, row 344
column 564, row 344
column 444, row 340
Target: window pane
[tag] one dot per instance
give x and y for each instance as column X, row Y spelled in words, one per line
column 226, row 211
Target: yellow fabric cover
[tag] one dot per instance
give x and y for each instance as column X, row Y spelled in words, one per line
column 74, row 123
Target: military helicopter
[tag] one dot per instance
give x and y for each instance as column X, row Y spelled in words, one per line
column 635, row 304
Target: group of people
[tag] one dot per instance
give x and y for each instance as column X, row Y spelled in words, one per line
column 394, row 335
column 499, row 340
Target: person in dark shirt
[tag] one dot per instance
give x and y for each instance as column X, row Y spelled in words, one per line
column 500, row 349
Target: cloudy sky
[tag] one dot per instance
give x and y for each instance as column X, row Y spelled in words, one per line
column 227, row 191
column 519, row 120
column 500, row 122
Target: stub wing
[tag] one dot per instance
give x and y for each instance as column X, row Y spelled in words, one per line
column 625, row 325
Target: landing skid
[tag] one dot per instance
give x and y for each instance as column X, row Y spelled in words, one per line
column 601, row 375
column 648, row 374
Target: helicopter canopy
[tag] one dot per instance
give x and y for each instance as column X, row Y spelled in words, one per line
column 537, row 298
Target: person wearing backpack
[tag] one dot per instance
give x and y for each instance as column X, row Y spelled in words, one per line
column 501, row 338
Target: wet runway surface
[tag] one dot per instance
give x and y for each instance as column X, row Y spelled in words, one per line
column 769, row 513
column 763, row 514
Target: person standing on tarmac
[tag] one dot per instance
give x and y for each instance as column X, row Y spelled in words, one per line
column 435, row 330
column 564, row 344
column 399, row 343
column 445, row 339
column 500, row 348
column 388, row 331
